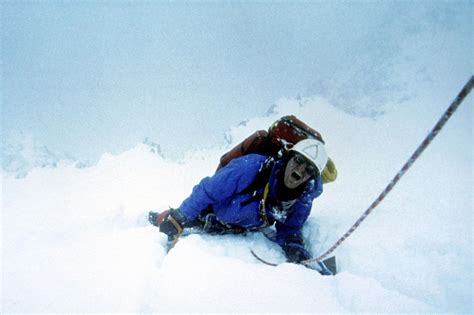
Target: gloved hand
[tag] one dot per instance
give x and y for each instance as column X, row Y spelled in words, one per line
column 295, row 251
column 173, row 224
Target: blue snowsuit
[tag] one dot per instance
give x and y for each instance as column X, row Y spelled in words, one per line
column 223, row 192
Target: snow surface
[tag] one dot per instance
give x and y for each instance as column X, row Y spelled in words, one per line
column 77, row 240
column 21, row 152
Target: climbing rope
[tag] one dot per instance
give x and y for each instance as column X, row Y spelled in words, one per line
column 436, row 129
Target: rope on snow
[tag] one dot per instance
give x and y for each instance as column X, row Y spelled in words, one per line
column 434, row 132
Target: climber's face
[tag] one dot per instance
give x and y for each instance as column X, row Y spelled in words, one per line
column 298, row 170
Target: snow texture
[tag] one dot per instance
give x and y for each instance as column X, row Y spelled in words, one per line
column 77, row 240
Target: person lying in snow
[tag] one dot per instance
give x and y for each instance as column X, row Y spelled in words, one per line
column 253, row 192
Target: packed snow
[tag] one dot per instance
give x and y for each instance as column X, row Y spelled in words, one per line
column 77, row 239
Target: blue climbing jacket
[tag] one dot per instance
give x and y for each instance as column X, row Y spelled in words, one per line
column 225, row 193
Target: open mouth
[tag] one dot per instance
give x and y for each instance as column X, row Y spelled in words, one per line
column 295, row 176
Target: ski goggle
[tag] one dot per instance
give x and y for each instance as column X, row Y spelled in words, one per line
column 310, row 168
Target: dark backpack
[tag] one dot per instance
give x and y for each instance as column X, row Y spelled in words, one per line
column 281, row 136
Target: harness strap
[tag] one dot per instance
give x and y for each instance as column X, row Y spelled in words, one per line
column 179, row 230
column 261, row 210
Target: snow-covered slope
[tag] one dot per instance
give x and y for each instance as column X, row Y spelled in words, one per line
column 21, row 152
column 76, row 240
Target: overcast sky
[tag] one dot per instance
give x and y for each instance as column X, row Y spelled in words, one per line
column 86, row 77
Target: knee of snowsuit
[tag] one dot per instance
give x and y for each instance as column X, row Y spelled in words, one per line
column 223, row 192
